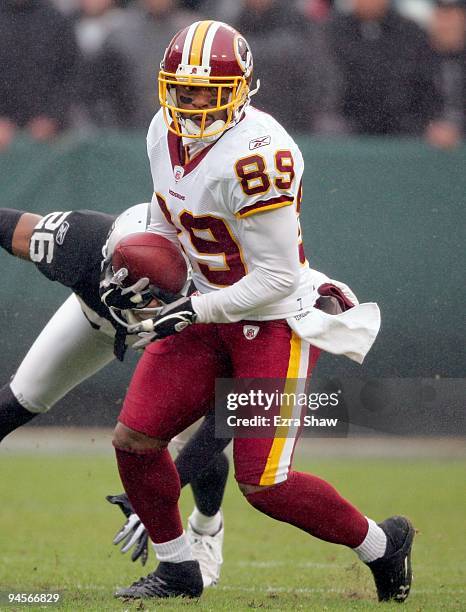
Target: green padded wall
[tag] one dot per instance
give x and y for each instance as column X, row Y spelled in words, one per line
column 386, row 216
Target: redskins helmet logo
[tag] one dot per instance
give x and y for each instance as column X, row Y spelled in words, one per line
column 243, row 55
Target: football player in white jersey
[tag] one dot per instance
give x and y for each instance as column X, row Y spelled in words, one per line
column 227, row 190
column 80, row 339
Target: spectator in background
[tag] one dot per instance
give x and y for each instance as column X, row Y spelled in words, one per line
column 293, row 62
column 192, row 5
column 103, row 98
column 388, row 69
column 133, row 49
column 38, row 56
column 447, row 32
column 221, row 10
column 315, row 10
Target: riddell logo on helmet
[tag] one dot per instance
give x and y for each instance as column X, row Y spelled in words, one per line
column 263, row 141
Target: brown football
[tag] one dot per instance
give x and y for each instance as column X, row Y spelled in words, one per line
column 151, row 255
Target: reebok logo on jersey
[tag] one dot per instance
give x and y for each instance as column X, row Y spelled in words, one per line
column 250, row 331
column 61, row 232
column 263, row 141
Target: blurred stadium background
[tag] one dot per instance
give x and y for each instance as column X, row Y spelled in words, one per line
column 375, row 93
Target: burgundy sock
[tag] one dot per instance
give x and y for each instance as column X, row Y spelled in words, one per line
column 313, row 505
column 152, row 484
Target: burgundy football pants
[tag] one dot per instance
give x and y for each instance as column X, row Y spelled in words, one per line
column 174, row 385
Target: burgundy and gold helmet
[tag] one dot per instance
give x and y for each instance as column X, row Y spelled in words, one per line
column 207, row 54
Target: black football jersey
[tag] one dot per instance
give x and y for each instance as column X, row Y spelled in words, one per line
column 67, row 247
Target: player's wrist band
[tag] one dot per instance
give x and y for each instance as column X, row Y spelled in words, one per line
column 9, row 218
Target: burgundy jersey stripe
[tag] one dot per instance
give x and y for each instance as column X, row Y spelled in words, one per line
column 302, row 255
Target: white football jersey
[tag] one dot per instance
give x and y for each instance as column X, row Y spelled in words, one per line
column 255, row 167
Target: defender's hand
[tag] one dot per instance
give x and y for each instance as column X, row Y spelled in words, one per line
column 114, row 295
column 133, row 533
column 172, row 319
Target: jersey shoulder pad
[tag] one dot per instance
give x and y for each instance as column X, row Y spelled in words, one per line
column 64, row 245
column 257, row 134
column 51, row 229
column 157, row 130
column 262, row 166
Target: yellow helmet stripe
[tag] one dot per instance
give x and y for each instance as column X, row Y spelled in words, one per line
column 198, row 43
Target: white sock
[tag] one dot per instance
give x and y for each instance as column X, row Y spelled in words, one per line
column 174, row 551
column 205, row 525
column 374, row 544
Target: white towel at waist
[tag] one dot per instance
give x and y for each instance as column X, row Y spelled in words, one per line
column 350, row 333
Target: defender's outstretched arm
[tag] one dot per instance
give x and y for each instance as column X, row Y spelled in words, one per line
column 16, row 227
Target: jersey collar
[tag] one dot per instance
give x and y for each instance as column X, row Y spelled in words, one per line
column 175, row 148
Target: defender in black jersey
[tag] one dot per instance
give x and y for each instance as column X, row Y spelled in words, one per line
column 81, row 338
column 67, row 247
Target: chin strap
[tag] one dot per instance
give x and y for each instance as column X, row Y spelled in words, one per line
column 252, row 92
column 193, row 129
column 242, row 110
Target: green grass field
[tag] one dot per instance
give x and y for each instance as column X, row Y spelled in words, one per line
column 56, row 529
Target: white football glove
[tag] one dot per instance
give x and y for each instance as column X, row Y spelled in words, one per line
column 133, row 533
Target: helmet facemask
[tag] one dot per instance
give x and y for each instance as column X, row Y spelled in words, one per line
column 229, row 94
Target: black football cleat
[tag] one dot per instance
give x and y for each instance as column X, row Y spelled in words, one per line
column 392, row 572
column 169, row 580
